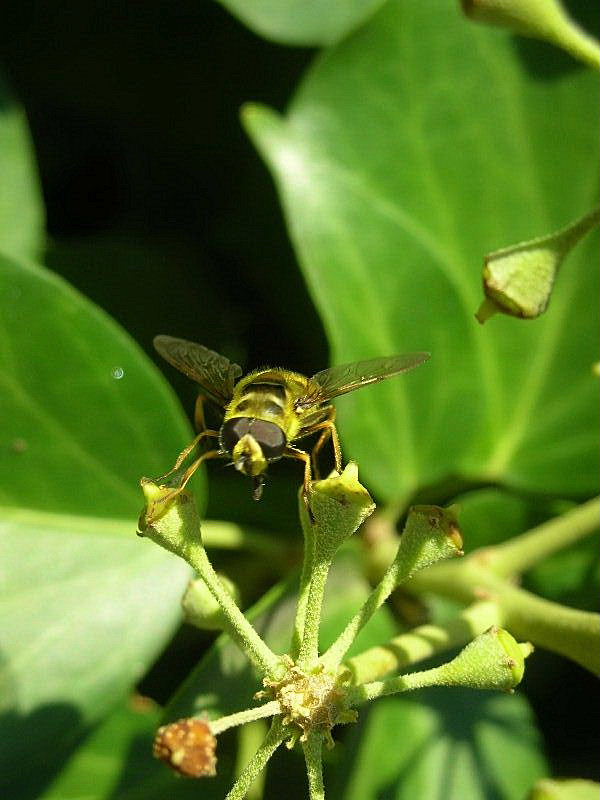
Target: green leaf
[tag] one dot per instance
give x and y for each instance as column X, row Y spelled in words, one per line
column 412, row 149
column 442, row 743
column 83, row 413
column 86, row 605
column 94, row 770
column 116, row 762
column 302, row 22
column 22, row 216
column 570, row 576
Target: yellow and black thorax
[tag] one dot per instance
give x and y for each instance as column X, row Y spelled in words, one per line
column 263, row 405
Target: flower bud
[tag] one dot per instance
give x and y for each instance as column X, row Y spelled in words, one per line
column 174, row 524
column 430, row 534
column 493, row 660
column 200, row 606
column 339, row 505
column 518, row 280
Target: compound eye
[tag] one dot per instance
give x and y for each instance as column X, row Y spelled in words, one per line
column 233, row 430
column 270, row 437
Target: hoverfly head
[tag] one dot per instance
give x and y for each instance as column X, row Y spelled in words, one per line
column 248, row 456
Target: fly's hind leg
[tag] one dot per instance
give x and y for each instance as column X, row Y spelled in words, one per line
column 328, row 430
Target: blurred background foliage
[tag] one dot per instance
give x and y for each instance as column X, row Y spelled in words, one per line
column 158, row 209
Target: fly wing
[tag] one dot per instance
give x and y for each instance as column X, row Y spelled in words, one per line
column 346, row 378
column 215, row 374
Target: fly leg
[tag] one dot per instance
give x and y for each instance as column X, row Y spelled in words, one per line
column 205, row 434
column 157, row 506
column 329, row 430
column 199, row 420
column 301, row 455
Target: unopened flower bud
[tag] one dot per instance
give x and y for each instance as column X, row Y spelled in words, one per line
column 518, row 280
column 493, row 660
column 171, row 522
column 339, row 505
column 200, row 606
column 430, row 534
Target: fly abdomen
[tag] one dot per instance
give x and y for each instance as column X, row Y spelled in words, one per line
column 267, row 435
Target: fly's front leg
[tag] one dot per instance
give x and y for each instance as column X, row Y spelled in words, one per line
column 185, row 453
column 157, row 506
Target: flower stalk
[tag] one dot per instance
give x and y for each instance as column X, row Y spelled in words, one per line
column 338, row 506
column 431, row 534
column 177, row 529
column 494, row 660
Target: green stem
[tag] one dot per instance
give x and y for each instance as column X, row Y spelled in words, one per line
column 217, row 726
column 238, row 627
column 313, row 747
column 422, row 642
column 580, row 45
column 570, row 632
column 258, row 762
column 308, row 531
column 430, row 535
column 402, row 683
column 573, row 633
column 525, row 551
column 336, row 652
column 309, row 647
column 250, row 738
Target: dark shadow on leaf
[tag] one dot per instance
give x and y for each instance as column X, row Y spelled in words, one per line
column 35, row 747
column 144, row 778
column 459, row 714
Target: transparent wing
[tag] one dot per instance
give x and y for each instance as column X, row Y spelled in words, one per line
column 345, row 378
column 215, row 374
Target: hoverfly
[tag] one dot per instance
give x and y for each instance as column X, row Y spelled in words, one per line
column 266, row 412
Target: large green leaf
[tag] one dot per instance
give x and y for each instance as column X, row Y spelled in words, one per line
column 116, row 762
column 412, row 148
column 83, row 413
column 22, row 215
column 302, row 22
column 446, row 743
column 86, row 606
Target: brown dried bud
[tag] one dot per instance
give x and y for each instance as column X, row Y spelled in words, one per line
column 187, row 746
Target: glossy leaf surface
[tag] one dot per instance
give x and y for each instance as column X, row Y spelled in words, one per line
column 302, row 22
column 86, row 606
column 411, row 149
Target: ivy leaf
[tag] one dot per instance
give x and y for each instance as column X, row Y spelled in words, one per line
column 413, row 148
column 86, row 605
column 448, row 743
column 302, row 22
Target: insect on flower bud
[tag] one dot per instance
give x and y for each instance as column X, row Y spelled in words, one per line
column 187, row 746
